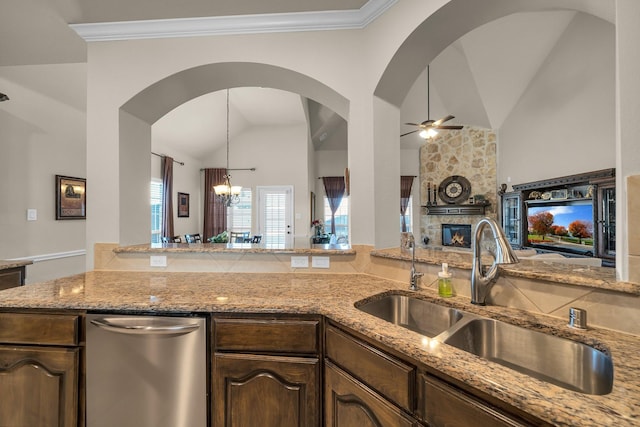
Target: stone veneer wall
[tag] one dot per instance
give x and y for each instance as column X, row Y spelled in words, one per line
column 471, row 153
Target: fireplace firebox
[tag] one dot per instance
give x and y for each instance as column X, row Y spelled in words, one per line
column 458, row 235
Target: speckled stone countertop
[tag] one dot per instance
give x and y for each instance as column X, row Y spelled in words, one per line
column 234, row 247
column 5, row 265
column 334, row 296
column 582, row 275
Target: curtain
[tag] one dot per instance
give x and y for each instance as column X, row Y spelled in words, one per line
column 215, row 212
column 405, row 193
column 167, row 199
column 334, row 189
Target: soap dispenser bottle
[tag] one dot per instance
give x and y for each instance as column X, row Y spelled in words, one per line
column 444, row 282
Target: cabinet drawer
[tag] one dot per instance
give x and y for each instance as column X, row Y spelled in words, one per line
column 389, row 376
column 50, row 329
column 440, row 404
column 300, row 336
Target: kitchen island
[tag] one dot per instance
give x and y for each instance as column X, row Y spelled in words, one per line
column 333, row 296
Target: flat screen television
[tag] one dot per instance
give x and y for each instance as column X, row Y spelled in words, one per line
column 561, row 226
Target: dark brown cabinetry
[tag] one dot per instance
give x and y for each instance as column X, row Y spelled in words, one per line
column 40, row 370
column 12, row 277
column 266, row 371
column 365, row 386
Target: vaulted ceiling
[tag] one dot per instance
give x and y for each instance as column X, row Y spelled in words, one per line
column 479, row 78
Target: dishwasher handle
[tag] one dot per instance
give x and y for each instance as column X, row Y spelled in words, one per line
column 144, row 326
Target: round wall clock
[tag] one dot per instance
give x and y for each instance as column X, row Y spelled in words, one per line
column 454, row 189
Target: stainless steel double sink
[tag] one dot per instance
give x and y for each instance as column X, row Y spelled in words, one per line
column 560, row 361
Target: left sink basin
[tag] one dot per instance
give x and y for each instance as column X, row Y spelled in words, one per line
column 420, row 316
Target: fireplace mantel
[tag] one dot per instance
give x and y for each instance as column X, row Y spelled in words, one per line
column 450, row 209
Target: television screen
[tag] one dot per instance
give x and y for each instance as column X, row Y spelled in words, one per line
column 563, row 226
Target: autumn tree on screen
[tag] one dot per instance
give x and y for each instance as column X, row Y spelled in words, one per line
column 541, row 223
column 581, row 229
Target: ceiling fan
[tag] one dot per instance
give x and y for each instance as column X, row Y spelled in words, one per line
column 429, row 127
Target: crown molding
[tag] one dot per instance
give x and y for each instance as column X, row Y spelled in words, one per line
column 241, row 24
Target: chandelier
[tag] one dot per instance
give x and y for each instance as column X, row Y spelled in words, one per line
column 227, row 193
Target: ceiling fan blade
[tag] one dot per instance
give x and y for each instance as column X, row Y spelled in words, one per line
column 449, row 127
column 444, row 119
column 409, row 133
column 412, row 124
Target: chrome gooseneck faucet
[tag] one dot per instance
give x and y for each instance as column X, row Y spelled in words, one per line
column 415, row 276
column 482, row 281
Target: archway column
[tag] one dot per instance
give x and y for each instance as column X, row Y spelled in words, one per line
column 627, row 147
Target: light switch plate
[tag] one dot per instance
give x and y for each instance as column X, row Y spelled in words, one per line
column 299, row 262
column 32, row 214
column 320, row 262
column 158, row 261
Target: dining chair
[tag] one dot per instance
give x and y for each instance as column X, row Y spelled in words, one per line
column 238, row 237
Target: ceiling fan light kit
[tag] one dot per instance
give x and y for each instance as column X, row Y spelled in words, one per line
column 429, row 128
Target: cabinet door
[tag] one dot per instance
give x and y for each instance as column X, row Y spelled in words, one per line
column 266, row 391
column 606, row 232
column 511, row 218
column 349, row 403
column 39, row 386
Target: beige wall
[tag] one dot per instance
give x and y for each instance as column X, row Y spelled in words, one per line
column 42, row 134
column 349, row 62
column 573, row 90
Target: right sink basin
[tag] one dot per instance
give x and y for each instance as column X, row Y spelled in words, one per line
column 563, row 362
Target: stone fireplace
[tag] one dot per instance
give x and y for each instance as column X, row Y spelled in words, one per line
column 471, row 153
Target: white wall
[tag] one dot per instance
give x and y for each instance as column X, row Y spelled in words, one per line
column 42, row 134
column 564, row 123
column 279, row 155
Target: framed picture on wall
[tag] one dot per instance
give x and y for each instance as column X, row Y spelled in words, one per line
column 71, row 196
column 183, row 205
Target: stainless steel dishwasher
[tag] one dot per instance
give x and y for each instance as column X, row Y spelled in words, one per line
column 145, row 371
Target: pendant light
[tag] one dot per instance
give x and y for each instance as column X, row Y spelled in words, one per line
column 227, row 193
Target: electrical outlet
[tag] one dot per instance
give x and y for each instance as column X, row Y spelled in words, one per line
column 320, row 262
column 158, row 261
column 299, row 262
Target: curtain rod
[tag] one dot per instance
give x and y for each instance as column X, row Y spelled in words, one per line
column 162, row 155
column 233, row 169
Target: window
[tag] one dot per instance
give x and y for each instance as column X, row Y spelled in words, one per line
column 341, row 217
column 156, row 211
column 408, row 216
column 239, row 215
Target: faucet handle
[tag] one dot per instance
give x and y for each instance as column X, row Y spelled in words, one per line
column 577, row 318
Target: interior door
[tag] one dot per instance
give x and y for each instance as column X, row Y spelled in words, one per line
column 275, row 216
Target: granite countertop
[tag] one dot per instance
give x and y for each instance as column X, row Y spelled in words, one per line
column 334, row 295
column 320, row 249
column 553, row 271
column 5, row 265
